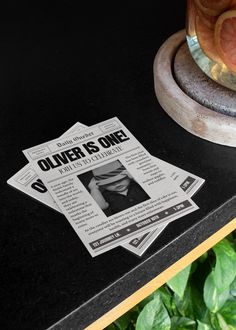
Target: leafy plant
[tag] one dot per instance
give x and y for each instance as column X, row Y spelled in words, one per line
column 200, row 297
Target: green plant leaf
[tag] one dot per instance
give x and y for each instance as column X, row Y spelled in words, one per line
column 214, row 299
column 166, row 297
column 203, row 326
column 194, row 266
column 174, row 308
column 185, row 305
column 192, row 304
column 223, row 325
column 233, row 288
column 179, row 282
column 219, row 323
column 203, row 257
column 200, row 309
column 123, row 322
column 225, row 268
column 154, row 316
column 214, row 321
column 131, row 327
column 228, row 311
column 146, row 300
column 182, row 323
column 127, row 320
column 230, row 237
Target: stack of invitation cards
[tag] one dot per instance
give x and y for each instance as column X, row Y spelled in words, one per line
column 109, row 187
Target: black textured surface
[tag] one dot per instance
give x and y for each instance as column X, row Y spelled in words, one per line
column 60, row 65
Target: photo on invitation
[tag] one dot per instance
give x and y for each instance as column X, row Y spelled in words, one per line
column 113, row 188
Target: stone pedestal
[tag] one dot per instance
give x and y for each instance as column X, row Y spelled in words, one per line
column 197, row 103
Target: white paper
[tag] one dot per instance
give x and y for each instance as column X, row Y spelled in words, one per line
column 28, row 181
column 63, row 178
column 189, row 183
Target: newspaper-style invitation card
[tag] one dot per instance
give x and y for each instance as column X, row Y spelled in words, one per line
column 189, row 183
column 27, row 181
column 107, row 184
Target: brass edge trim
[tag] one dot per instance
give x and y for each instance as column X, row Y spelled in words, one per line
column 162, row 278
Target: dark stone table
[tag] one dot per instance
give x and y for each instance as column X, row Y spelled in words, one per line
column 60, row 65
